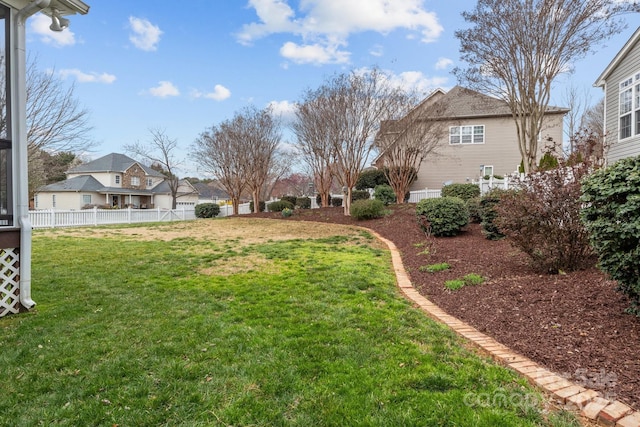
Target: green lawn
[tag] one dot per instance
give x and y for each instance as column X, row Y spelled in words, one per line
column 132, row 330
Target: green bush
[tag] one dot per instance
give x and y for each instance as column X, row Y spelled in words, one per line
column 261, row 206
column 290, row 199
column 444, row 216
column 371, row 179
column 207, row 210
column 385, row 194
column 279, row 205
column 360, row 195
column 367, row 209
column 473, row 205
column 547, row 162
column 611, row 214
column 464, row 191
column 336, row 202
column 286, row 212
column 303, row 202
column 488, row 214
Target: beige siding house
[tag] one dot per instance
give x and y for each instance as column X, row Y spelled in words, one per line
column 481, row 139
column 621, row 84
column 114, row 181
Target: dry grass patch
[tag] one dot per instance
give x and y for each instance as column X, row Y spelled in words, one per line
column 239, row 231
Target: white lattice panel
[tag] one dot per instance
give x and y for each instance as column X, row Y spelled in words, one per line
column 9, row 281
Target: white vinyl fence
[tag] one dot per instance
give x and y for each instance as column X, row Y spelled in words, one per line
column 62, row 218
column 416, row 196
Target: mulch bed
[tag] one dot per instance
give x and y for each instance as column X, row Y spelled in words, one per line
column 573, row 324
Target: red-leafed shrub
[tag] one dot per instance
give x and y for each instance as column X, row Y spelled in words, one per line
column 543, row 219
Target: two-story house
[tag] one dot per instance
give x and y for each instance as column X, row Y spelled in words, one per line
column 480, row 138
column 114, row 180
column 621, row 84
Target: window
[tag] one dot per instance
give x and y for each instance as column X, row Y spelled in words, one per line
column 135, row 180
column 487, row 171
column 86, row 199
column 117, row 179
column 629, row 107
column 53, row 200
column 149, row 182
column 466, row 134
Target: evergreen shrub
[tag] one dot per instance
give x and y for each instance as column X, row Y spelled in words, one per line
column 279, row 205
column 444, row 216
column 464, row 191
column 207, row 210
column 303, row 202
column 611, row 214
column 385, row 194
column 367, row 209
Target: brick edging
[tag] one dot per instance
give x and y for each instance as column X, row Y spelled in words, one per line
column 588, row 403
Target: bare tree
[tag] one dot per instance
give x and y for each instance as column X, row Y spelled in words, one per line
column 404, row 144
column 593, row 119
column 160, row 151
column 260, row 133
column 314, row 142
column 358, row 103
column 516, row 48
column 221, row 152
column 577, row 102
column 55, row 120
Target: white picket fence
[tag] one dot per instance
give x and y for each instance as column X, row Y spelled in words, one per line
column 51, row 218
column 416, row 196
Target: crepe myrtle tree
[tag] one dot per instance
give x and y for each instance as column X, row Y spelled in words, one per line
column 515, row 49
column 313, row 142
column 404, row 144
column 354, row 104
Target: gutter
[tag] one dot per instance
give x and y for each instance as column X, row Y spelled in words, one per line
column 20, row 141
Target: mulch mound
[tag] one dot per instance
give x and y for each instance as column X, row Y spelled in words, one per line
column 573, row 324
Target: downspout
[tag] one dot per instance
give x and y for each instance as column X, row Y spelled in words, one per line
column 19, row 138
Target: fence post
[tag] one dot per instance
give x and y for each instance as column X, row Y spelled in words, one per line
column 53, row 218
column 158, row 210
column 95, row 215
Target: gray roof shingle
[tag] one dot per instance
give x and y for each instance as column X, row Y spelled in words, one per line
column 113, row 162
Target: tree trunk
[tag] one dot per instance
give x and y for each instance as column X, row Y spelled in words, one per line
column 235, row 203
column 256, row 201
column 346, row 202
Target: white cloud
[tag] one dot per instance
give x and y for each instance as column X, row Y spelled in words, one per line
column 283, row 109
column 323, row 25
column 164, row 89
column 220, row 93
column 443, row 63
column 39, row 24
column 91, row 77
column 145, row 36
column 314, row 54
column 417, row 81
column 377, row 50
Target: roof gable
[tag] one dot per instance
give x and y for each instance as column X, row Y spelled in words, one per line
column 113, row 162
column 622, row 54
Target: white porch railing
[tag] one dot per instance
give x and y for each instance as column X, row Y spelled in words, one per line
column 68, row 218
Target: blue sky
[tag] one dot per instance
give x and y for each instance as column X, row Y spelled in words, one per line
column 183, row 66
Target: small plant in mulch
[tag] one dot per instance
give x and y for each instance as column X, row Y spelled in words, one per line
column 434, row 268
column 470, row 279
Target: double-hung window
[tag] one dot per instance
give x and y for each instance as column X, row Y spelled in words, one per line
column 135, row 180
column 466, row 134
column 629, row 107
column 626, row 105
